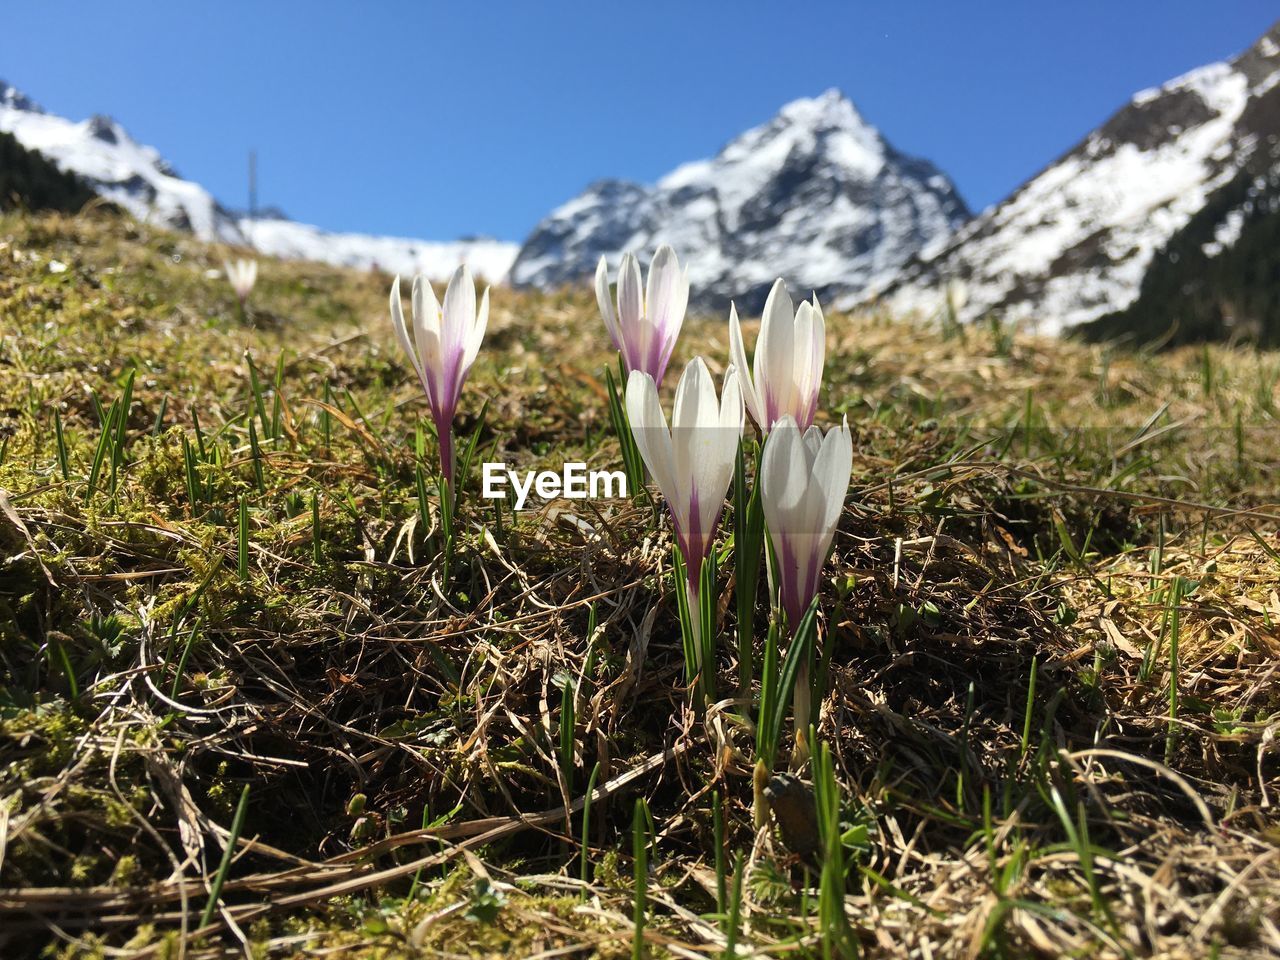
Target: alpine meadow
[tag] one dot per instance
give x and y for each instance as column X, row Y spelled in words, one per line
column 775, row 560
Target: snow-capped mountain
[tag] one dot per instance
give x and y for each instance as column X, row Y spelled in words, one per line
column 279, row 237
column 816, row 196
column 129, row 174
column 138, row 179
column 1075, row 241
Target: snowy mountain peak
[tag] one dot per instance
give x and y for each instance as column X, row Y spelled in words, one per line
column 815, row 195
column 828, row 126
column 13, row 97
column 829, row 110
column 103, row 128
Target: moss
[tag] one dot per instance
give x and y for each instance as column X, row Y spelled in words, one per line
column 46, row 735
column 126, row 872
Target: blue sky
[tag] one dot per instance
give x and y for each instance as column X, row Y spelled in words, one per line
column 442, row 119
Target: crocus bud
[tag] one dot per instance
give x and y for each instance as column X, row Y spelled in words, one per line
column 692, row 461
column 646, row 324
column 242, row 274
column 804, row 478
column 443, row 346
column 790, row 351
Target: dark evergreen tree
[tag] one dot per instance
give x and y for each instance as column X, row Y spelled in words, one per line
column 30, row 181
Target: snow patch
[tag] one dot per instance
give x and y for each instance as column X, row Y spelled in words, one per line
column 490, row 259
column 1226, row 234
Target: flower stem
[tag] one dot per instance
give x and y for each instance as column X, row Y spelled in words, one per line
column 445, row 433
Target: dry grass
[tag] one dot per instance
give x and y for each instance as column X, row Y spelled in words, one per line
column 1018, row 504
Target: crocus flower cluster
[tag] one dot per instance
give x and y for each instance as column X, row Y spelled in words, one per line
column 443, row 346
column 242, row 275
column 803, row 475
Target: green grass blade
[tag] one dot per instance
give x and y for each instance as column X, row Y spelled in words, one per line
column 584, row 866
column 640, row 875
column 237, row 824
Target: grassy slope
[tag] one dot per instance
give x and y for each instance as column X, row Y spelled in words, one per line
column 143, row 682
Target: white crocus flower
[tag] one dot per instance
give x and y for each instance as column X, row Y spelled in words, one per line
column 242, row 274
column 804, row 478
column 647, row 322
column 443, row 347
column 790, row 351
column 692, row 461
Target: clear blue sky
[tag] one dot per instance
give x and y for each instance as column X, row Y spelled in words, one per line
column 442, row 119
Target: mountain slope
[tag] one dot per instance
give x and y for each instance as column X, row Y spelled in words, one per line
column 1216, row 279
column 816, row 195
column 129, row 174
column 134, row 176
column 1075, row 241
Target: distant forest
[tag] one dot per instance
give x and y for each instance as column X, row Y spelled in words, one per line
column 29, row 181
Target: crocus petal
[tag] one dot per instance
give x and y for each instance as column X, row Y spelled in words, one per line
column 605, row 302
column 663, row 293
column 774, row 366
column 457, row 328
column 653, row 440
column 630, row 290
column 666, row 299
column 459, row 311
column 718, row 456
column 738, row 356
column 679, row 304
column 426, row 336
column 476, row 336
column 695, row 403
column 805, row 378
column 831, row 471
column 426, row 309
column 817, row 358
column 783, row 472
column 812, row 438
column 695, row 409
column 402, row 332
column 732, row 410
